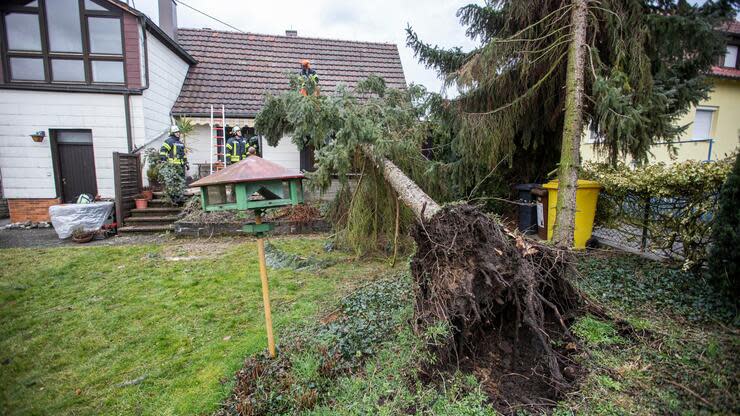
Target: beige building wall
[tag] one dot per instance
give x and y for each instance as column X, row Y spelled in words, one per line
column 724, row 105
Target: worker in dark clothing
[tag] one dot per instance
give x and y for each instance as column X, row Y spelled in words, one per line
column 236, row 147
column 173, row 150
column 254, row 142
column 309, row 79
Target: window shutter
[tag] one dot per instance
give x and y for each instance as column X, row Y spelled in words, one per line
column 702, row 124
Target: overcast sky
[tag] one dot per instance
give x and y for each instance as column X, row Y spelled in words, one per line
column 368, row 20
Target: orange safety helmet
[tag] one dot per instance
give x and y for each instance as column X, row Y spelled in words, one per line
column 305, row 63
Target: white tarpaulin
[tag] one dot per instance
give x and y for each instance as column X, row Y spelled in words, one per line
column 89, row 217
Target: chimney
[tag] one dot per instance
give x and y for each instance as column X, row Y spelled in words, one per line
column 291, row 33
column 168, row 17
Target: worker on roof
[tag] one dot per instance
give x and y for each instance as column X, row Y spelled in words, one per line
column 173, row 150
column 236, row 146
column 309, row 79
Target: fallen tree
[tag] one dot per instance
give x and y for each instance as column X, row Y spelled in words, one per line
column 470, row 272
column 473, row 277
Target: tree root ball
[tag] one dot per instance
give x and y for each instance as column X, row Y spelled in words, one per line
column 491, row 285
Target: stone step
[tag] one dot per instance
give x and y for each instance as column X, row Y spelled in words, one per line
column 188, row 192
column 161, row 220
column 155, row 212
column 159, row 203
column 146, row 229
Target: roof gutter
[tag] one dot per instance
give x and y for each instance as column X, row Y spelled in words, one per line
column 227, row 115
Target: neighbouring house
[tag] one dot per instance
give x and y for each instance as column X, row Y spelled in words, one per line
column 714, row 125
column 236, row 71
column 94, row 77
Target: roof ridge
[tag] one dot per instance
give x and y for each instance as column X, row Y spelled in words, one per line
column 283, row 36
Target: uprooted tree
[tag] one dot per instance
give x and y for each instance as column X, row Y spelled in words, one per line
column 471, row 274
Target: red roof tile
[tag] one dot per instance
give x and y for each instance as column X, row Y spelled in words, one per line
column 725, row 72
column 731, row 27
column 251, row 169
column 237, row 69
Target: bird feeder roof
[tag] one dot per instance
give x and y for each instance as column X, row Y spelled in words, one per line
column 251, row 169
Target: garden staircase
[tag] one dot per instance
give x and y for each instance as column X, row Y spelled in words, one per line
column 158, row 217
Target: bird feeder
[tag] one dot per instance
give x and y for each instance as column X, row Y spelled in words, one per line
column 253, row 184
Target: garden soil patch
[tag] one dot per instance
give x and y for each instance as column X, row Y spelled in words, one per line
column 503, row 298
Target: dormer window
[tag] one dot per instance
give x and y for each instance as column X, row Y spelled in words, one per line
column 62, row 42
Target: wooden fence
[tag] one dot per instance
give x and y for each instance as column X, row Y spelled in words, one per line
column 127, row 181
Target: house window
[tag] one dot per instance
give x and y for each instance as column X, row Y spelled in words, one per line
column 105, row 35
column 23, row 31
column 27, row 69
column 62, row 41
column 703, row 124
column 731, row 57
column 592, row 136
column 308, row 158
column 65, row 34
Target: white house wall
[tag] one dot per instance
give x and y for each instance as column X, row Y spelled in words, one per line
column 199, row 143
column 285, row 153
column 27, row 170
column 167, row 73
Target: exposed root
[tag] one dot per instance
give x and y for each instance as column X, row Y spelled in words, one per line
column 477, row 277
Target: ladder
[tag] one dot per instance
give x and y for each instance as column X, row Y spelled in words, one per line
column 218, row 140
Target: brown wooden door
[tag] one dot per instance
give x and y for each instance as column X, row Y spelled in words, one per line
column 76, row 164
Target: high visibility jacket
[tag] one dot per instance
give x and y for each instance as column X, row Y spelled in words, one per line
column 173, row 151
column 236, row 149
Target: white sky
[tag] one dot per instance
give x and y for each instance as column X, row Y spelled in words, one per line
column 367, row 20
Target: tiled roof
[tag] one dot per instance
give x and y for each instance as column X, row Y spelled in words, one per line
column 724, row 72
column 731, row 27
column 237, row 69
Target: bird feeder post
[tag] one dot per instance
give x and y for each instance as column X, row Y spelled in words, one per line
column 265, row 285
column 256, row 185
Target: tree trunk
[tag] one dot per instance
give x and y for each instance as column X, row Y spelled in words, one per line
column 572, row 129
column 408, row 192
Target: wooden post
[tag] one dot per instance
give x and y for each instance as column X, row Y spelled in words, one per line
column 265, row 289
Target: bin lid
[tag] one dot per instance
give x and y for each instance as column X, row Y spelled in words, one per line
column 582, row 184
column 526, row 186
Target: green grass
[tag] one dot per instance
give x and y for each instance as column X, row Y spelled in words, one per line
column 679, row 359
column 76, row 323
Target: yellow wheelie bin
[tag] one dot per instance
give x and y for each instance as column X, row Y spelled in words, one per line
column 587, row 194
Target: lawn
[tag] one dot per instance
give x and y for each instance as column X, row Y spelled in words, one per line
column 161, row 329
column 148, row 329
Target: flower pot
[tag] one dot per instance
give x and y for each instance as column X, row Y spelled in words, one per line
column 37, row 139
column 148, row 194
column 83, row 237
column 141, row 203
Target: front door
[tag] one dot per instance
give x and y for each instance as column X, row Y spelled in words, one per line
column 76, row 163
